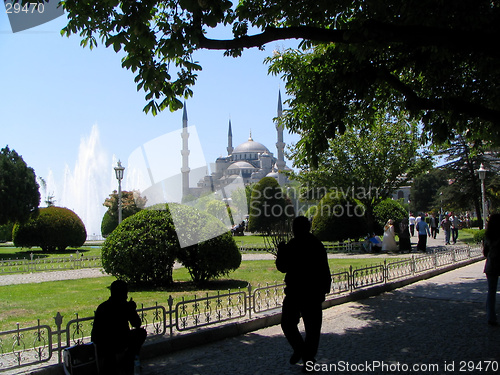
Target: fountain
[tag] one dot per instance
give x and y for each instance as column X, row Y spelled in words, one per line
column 85, row 188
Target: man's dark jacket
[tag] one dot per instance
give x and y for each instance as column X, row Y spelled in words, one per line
column 305, row 262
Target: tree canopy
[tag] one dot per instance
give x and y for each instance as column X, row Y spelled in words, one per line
column 462, row 159
column 367, row 165
column 19, row 195
column 425, row 191
column 436, row 60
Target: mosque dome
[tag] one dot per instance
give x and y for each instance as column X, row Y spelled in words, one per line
column 273, row 174
column 240, row 165
column 250, row 146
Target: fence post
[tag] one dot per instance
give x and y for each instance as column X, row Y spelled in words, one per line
column 250, row 305
column 385, row 272
column 31, row 263
column 351, row 279
column 170, row 313
column 58, row 320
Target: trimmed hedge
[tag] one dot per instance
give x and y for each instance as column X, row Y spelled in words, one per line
column 54, row 228
column 479, row 235
column 142, row 250
column 211, row 256
column 389, row 209
column 339, row 218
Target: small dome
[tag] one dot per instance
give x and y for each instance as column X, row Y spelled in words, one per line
column 241, row 165
column 272, row 174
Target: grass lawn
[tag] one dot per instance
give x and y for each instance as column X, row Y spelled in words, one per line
column 467, row 235
column 25, row 303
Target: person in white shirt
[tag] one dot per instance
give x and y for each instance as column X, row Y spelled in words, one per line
column 411, row 221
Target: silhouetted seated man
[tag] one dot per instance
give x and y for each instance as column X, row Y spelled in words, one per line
column 308, row 279
column 117, row 345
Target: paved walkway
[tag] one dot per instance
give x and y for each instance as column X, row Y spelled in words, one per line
column 430, row 327
column 436, row 326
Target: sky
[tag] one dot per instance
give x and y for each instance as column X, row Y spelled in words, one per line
column 58, row 97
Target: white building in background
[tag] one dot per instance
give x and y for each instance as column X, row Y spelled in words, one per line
column 250, row 160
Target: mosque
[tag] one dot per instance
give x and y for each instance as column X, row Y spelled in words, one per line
column 250, row 160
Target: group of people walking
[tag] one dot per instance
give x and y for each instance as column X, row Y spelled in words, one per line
column 406, row 231
column 411, row 226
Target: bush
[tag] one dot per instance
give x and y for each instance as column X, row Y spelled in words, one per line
column 142, row 250
column 268, row 206
column 108, row 224
column 389, row 209
column 54, row 228
column 339, row 218
column 132, row 202
column 479, row 235
column 210, row 258
column 6, row 232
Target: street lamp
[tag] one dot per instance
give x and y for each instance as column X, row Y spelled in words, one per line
column 119, row 176
column 441, row 208
column 482, row 175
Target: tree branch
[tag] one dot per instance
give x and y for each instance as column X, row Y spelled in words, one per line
column 454, row 104
column 371, row 31
column 272, row 34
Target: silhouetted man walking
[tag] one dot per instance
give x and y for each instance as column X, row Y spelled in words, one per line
column 307, row 280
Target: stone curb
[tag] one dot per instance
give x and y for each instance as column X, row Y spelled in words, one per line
column 204, row 336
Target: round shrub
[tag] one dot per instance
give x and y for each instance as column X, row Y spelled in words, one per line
column 142, row 249
column 389, row 209
column 6, row 232
column 338, row 218
column 479, row 235
column 54, row 228
column 108, row 224
column 210, row 256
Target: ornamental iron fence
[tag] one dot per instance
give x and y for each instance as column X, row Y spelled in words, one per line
column 38, row 264
column 41, row 343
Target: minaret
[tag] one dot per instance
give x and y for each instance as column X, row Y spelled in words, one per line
column 230, row 140
column 185, row 154
column 280, row 145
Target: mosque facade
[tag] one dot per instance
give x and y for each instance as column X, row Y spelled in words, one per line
column 250, row 160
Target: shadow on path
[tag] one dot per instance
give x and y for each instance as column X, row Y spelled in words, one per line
column 431, row 327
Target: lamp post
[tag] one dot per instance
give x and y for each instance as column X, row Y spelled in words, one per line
column 482, row 175
column 119, row 176
column 441, row 208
